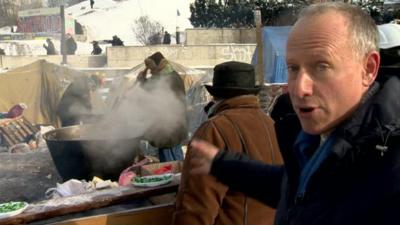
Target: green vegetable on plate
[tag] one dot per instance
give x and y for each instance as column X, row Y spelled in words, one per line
column 151, row 179
column 11, row 206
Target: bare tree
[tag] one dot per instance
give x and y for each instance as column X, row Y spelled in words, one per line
column 8, row 12
column 31, row 4
column 9, row 9
column 147, row 31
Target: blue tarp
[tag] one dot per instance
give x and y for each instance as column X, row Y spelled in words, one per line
column 274, row 43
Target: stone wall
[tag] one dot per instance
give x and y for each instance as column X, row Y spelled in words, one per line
column 197, row 56
column 74, row 61
column 199, row 36
column 189, row 55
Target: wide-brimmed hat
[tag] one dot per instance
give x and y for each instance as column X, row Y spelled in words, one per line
column 233, row 79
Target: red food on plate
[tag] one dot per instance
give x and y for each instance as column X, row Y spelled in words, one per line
column 164, row 169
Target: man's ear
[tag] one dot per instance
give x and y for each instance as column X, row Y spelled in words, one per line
column 372, row 63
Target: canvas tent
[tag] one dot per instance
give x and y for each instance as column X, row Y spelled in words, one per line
column 40, row 86
column 196, row 98
column 274, row 51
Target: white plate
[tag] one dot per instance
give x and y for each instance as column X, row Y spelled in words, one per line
column 155, row 183
column 15, row 212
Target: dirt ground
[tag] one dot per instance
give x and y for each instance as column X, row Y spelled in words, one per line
column 26, row 176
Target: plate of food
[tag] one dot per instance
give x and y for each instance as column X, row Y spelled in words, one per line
column 153, row 180
column 12, row 208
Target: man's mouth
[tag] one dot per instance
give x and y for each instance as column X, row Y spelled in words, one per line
column 306, row 109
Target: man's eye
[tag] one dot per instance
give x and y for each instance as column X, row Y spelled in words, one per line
column 292, row 69
column 322, row 67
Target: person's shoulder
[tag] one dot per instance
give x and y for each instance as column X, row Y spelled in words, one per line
column 170, row 73
column 174, row 73
column 220, row 118
column 209, row 126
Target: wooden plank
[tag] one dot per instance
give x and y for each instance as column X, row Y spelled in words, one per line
column 29, row 125
column 79, row 203
column 16, row 131
column 154, row 215
column 260, row 48
column 19, row 124
column 26, row 128
column 7, row 138
column 10, row 137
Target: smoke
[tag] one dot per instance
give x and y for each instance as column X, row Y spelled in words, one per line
column 154, row 113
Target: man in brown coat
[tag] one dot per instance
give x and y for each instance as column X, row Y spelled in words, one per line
column 235, row 122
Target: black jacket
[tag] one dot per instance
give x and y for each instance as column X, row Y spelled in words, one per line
column 167, row 38
column 71, row 46
column 75, row 103
column 358, row 183
column 50, row 49
column 116, row 41
column 96, row 50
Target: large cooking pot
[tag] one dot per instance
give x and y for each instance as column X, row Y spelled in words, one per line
column 78, row 154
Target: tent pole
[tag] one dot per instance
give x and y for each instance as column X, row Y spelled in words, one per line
column 63, row 46
column 260, row 53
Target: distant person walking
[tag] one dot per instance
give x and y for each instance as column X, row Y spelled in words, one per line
column 96, row 48
column 116, row 41
column 91, row 4
column 167, row 38
column 51, row 50
column 71, row 45
column 155, row 39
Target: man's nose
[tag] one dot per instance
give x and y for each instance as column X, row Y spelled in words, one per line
column 302, row 85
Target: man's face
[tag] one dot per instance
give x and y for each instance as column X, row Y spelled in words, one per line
column 150, row 64
column 326, row 79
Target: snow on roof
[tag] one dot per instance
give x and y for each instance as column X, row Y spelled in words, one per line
column 108, row 17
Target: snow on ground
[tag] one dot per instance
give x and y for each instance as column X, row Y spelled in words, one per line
column 7, row 30
column 35, row 47
column 109, row 18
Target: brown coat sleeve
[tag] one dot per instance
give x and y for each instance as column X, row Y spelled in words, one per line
column 200, row 196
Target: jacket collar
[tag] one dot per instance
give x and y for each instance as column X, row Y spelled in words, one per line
column 242, row 101
column 212, row 109
column 378, row 116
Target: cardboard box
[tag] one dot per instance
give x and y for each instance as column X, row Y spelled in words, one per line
column 150, row 168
